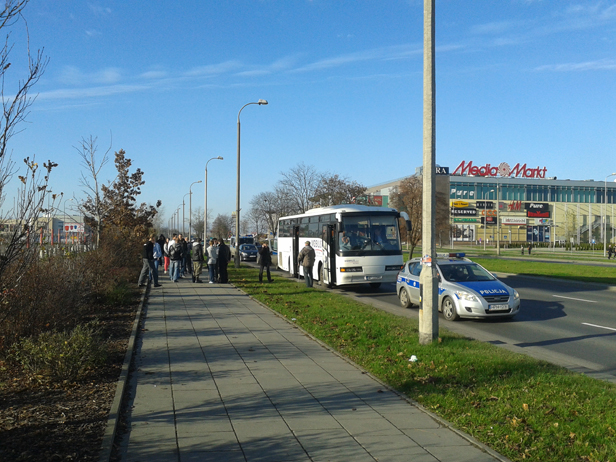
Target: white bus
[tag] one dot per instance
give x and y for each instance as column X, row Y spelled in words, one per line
column 354, row 244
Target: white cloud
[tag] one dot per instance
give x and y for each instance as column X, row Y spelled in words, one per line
column 151, row 75
column 600, row 65
column 386, row 53
column 108, row 76
column 71, row 75
column 99, row 10
column 214, row 69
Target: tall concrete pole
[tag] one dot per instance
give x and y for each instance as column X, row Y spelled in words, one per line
column 428, row 279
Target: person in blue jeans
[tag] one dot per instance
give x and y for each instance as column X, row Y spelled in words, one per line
column 176, row 256
column 306, row 258
column 212, row 257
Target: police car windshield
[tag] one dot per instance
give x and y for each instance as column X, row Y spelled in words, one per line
column 467, row 272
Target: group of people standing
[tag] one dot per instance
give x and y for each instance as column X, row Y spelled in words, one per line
column 180, row 258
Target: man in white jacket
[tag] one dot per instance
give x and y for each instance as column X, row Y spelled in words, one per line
column 212, row 257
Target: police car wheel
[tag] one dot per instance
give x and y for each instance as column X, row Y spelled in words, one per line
column 449, row 310
column 405, row 300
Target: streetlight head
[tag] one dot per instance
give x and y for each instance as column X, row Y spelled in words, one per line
column 261, row 101
column 220, row 158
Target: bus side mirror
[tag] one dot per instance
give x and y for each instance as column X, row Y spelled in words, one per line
column 409, row 226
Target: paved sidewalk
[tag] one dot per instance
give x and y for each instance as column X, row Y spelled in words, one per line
column 222, row 378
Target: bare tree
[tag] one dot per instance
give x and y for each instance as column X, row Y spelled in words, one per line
column 17, row 249
column 197, row 220
column 409, row 198
column 20, row 223
column 300, row 185
column 334, row 190
column 223, row 226
column 256, row 220
column 91, row 181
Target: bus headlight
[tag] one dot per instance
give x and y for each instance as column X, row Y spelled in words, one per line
column 352, row 269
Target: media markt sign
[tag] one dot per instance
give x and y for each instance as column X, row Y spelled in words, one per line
column 503, row 169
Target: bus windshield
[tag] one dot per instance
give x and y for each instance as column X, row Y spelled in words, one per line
column 369, row 233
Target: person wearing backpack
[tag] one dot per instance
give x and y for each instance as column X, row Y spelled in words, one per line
column 176, row 256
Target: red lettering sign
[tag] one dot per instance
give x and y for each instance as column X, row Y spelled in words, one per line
column 503, row 170
column 515, row 206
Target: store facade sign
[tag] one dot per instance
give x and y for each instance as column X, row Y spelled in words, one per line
column 484, row 204
column 460, row 204
column 465, row 220
column 544, row 207
column 537, row 214
column 515, row 206
column 74, row 227
column 503, row 169
column 513, row 221
column 463, row 212
column 542, row 221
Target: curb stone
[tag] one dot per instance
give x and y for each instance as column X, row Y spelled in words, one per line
column 116, row 406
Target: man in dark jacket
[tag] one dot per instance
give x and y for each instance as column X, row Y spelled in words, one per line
column 265, row 260
column 306, row 258
column 148, row 262
column 224, row 255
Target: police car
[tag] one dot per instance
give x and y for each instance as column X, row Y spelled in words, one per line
column 466, row 289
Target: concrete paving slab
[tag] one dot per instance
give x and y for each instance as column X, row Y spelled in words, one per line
column 221, row 378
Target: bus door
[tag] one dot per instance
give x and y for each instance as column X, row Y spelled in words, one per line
column 294, row 269
column 328, row 274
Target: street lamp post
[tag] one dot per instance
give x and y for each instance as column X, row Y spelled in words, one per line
column 190, row 208
column 604, row 215
column 184, row 215
column 205, row 208
column 65, row 234
column 485, row 217
column 237, row 200
column 497, row 220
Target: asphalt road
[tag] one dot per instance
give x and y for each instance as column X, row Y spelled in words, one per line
column 566, row 323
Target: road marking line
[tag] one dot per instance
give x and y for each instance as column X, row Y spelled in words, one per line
column 600, row 327
column 578, row 299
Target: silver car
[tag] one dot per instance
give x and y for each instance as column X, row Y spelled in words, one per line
column 466, row 289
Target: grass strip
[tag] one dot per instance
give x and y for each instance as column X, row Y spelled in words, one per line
column 582, row 273
column 523, row 408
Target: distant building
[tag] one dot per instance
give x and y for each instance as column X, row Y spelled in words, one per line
column 530, row 206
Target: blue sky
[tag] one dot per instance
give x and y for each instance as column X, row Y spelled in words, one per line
column 517, row 81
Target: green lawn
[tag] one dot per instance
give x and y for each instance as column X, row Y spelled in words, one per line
column 523, row 408
column 584, row 273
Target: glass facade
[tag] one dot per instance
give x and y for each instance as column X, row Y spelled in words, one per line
column 578, row 194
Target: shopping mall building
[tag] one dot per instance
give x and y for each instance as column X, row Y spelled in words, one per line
column 519, row 203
